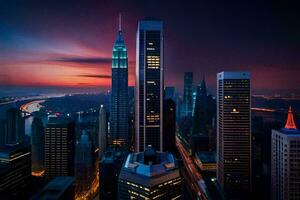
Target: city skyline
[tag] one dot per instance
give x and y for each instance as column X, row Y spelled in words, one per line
column 72, row 47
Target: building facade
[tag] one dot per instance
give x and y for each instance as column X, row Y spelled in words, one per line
column 234, row 133
column 102, row 134
column 285, row 162
column 150, row 175
column 15, row 126
column 149, row 85
column 169, row 126
column 15, row 171
column 59, row 147
column 188, row 94
column 119, row 94
column 37, row 143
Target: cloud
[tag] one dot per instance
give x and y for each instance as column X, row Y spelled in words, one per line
column 84, row 60
column 94, row 76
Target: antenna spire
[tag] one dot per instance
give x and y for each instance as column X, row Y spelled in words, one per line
column 120, row 22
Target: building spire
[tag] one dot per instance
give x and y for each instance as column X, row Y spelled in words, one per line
column 290, row 123
column 120, row 22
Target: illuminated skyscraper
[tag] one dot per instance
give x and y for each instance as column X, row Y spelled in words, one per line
column 188, row 94
column 59, row 147
column 119, row 94
column 102, row 135
column 234, row 133
column 285, row 162
column 149, row 85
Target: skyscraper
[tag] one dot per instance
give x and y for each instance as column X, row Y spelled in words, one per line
column 169, row 126
column 102, row 135
column 149, row 85
column 234, row 133
column 188, row 94
column 285, row 162
column 200, row 111
column 37, row 143
column 15, row 126
column 119, row 94
column 59, row 147
column 150, row 175
column 15, row 171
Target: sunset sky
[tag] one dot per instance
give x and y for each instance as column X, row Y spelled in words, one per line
column 69, row 43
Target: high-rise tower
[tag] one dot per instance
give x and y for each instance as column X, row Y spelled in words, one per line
column 149, row 85
column 102, row 135
column 234, row 133
column 188, row 94
column 119, row 94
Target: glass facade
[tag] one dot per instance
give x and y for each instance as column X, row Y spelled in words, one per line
column 149, row 83
column 234, row 133
column 119, row 95
column 188, row 94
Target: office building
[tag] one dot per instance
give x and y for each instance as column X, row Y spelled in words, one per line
column 150, row 175
column 109, row 168
column 234, row 134
column 59, row 147
column 102, row 135
column 37, row 143
column 149, row 85
column 285, row 162
column 60, row 188
column 188, row 94
column 83, row 165
column 169, row 93
column 200, row 112
column 119, row 94
column 169, row 126
column 15, row 171
column 15, row 126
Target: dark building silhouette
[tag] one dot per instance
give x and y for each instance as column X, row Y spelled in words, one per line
column 2, row 132
column 15, row 126
column 169, row 126
column 37, row 143
column 150, row 175
column 199, row 142
column 149, row 85
column 15, row 171
column 60, row 188
column 200, row 119
column 169, row 93
column 109, row 168
column 119, row 94
column 59, row 147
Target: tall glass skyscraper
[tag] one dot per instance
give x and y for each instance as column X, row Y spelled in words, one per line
column 188, row 94
column 119, row 94
column 234, row 133
column 149, row 85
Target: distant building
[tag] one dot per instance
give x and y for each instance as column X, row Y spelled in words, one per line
column 169, row 93
column 84, row 172
column 60, row 188
column 200, row 118
column 109, row 168
column 169, row 126
column 149, row 85
column 102, row 135
column 59, row 147
column 150, row 175
column 234, row 134
column 15, row 126
column 15, row 171
column 37, row 143
column 187, row 94
column 206, row 161
column 285, row 162
column 119, row 94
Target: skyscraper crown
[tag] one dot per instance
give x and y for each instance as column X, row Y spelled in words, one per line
column 290, row 123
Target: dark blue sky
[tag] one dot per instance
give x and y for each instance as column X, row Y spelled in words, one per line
column 67, row 43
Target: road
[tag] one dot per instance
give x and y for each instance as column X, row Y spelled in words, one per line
column 191, row 169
